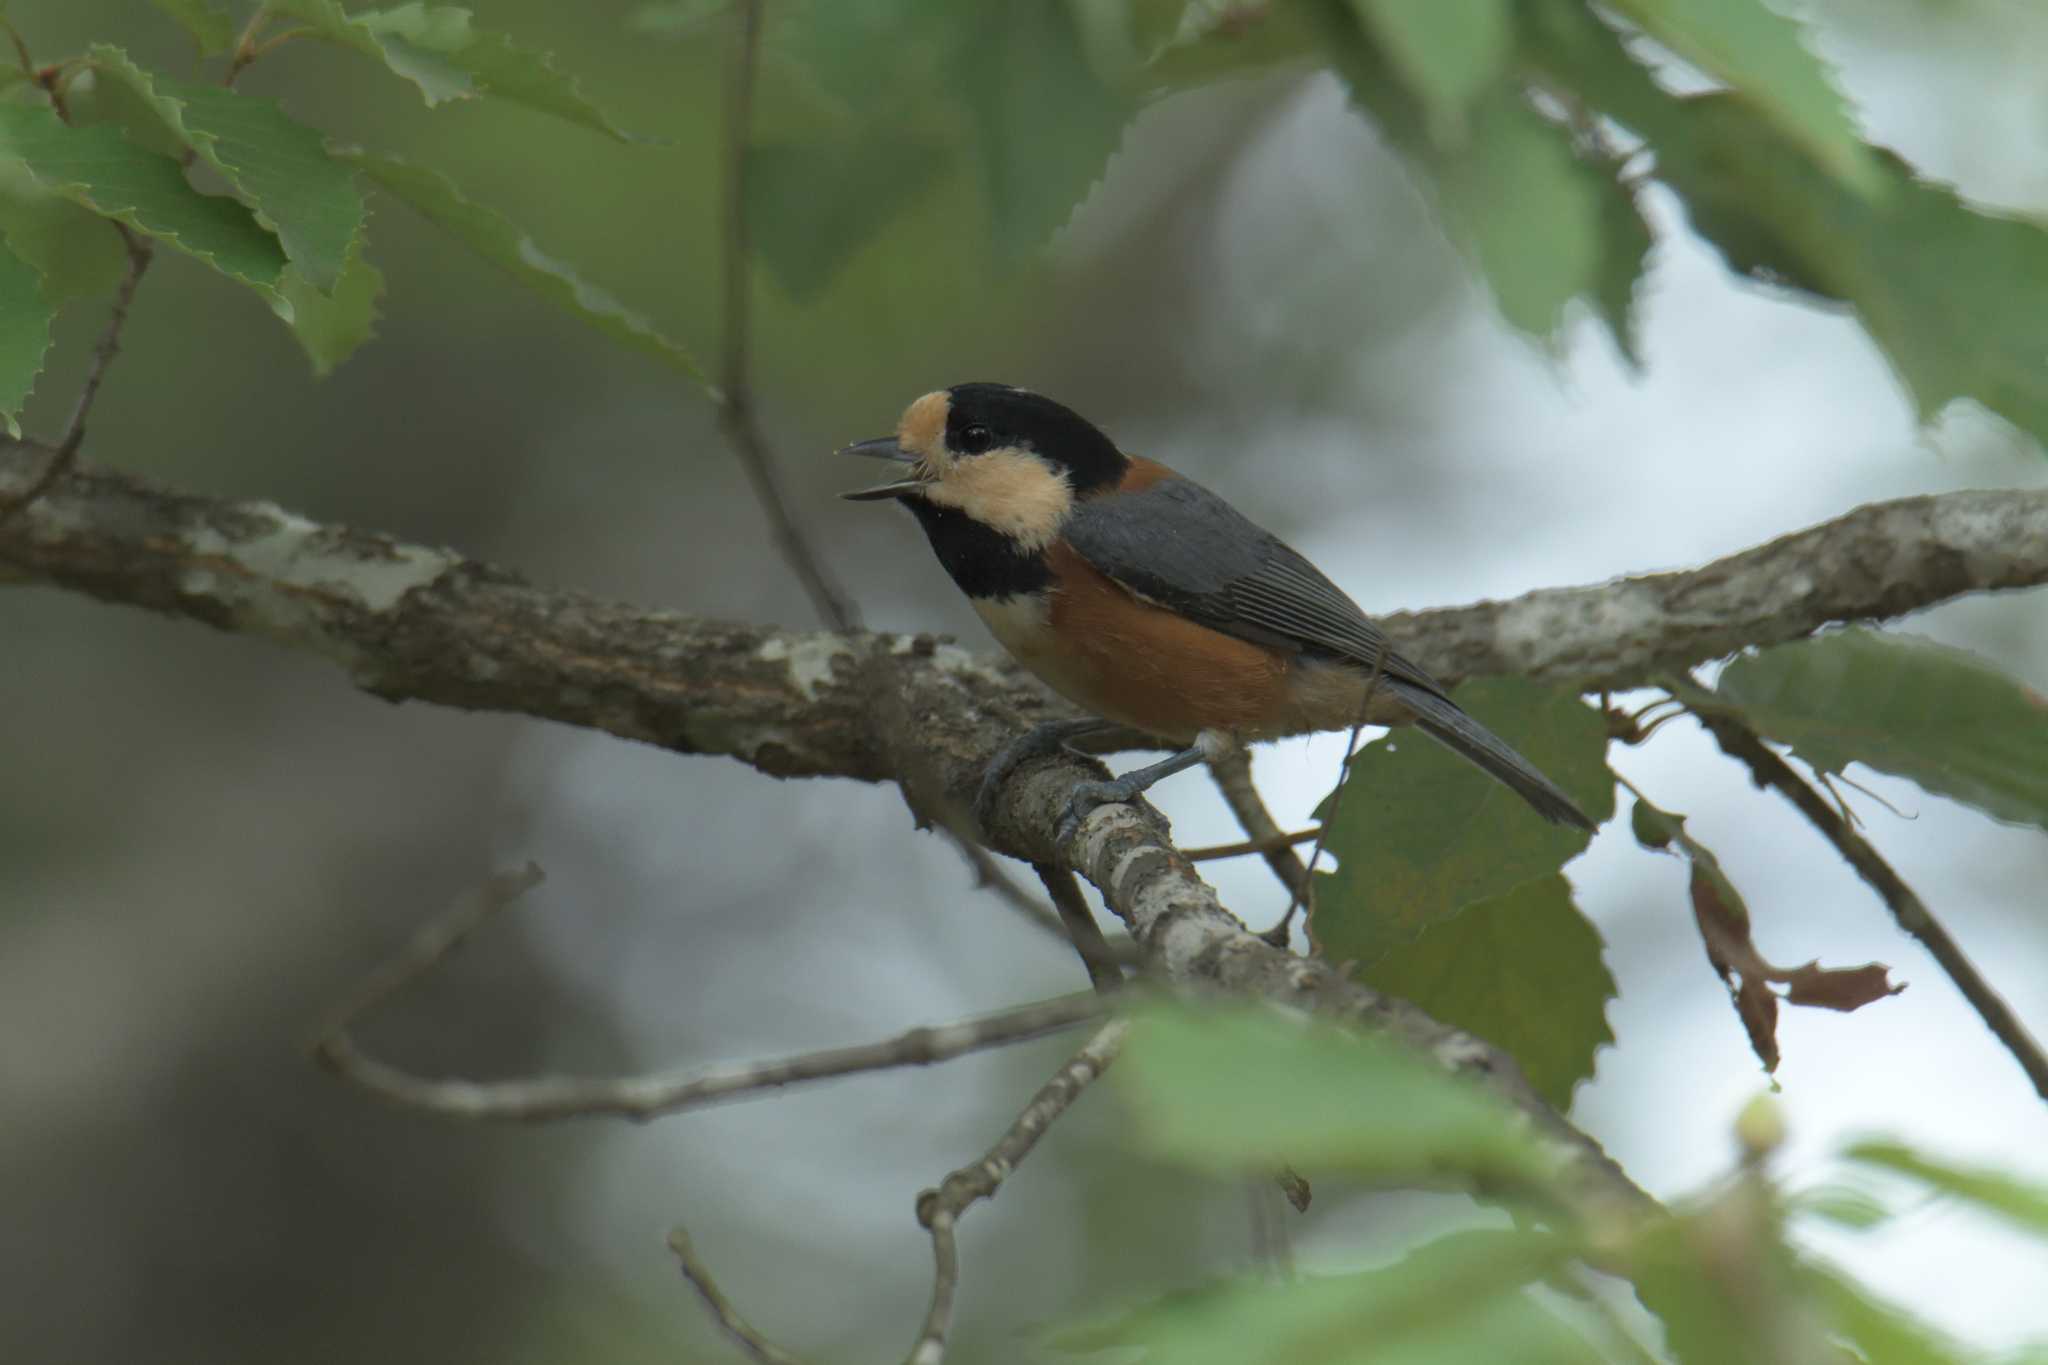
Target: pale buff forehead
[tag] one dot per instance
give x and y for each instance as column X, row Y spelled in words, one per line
column 922, row 431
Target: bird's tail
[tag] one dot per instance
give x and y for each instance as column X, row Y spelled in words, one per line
column 1444, row 722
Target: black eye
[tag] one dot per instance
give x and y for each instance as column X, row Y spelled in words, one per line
column 973, row 440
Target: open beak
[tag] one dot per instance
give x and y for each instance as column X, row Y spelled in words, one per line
column 882, row 448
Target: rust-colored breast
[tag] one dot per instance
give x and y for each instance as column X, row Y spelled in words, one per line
column 1132, row 661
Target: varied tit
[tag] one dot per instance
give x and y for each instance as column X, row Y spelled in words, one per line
column 1149, row 601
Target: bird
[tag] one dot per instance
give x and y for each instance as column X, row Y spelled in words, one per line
column 1149, row 601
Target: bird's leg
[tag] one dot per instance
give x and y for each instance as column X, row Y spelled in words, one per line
column 1088, row 795
column 1046, row 737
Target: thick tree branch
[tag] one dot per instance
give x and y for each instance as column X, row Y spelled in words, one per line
column 412, row 623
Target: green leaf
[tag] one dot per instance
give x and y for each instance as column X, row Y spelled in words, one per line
column 1193, row 42
column 332, row 325
column 208, row 23
column 1448, row 54
column 1846, row 1206
column 1881, row 1333
column 1455, row 1300
column 677, row 18
column 1421, row 833
column 1946, row 719
column 102, row 170
column 870, row 178
column 1046, row 123
column 77, row 252
column 499, row 241
column 1524, row 972
column 1760, row 55
column 2017, row 1201
column 447, row 58
column 1238, row 1089
column 280, row 167
column 25, row 316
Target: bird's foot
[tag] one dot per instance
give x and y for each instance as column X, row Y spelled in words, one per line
column 1086, row 796
column 1043, row 739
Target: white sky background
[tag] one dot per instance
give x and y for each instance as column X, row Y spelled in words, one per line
column 1753, row 416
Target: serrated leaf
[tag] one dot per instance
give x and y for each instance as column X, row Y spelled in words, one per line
column 1421, row 833
column 1726, row 932
column 871, row 177
column 279, row 166
column 1523, row 971
column 2020, row 1202
column 446, row 57
column 1459, row 1298
column 1239, row 1089
column 208, row 23
column 77, row 252
column 495, row 238
column 1045, row 122
column 25, row 316
column 331, row 325
column 1448, row 54
column 1762, row 57
column 1948, row 720
column 106, row 173
column 1946, row 291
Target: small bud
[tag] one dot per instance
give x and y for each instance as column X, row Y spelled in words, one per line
column 1760, row 1127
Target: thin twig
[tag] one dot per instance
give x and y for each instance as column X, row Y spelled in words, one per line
column 1304, row 896
column 1739, row 741
column 1104, row 973
column 1232, row 773
column 65, row 453
column 939, row 1209
column 757, row 1347
column 1244, row 847
column 735, row 397
column 637, row 1097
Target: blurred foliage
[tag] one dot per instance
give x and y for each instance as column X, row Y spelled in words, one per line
column 910, row 158
column 1718, row 1279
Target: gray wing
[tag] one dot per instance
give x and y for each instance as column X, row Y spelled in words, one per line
column 1183, row 547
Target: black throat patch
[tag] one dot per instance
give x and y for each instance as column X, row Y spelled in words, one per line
column 981, row 559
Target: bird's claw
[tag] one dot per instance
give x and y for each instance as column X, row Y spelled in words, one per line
column 1086, row 796
column 1040, row 741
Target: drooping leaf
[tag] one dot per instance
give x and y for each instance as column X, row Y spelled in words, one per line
column 447, row 57
column 1523, row 971
column 1725, row 931
column 867, row 179
column 25, row 316
column 1045, row 121
column 1420, row 833
column 1459, row 1298
column 77, row 252
column 333, row 324
column 106, row 173
column 1763, row 58
column 496, row 239
column 2019, row 1202
column 208, row 23
column 278, row 166
column 1236, row 1090
column 1447, row 54
column 1546, row 220
column 1948, row 720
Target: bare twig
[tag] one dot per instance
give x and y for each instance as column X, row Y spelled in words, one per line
column 65, row 453
column 1208, row 853
column 1232, row 773
column 735, row 397
column 1104, row 972
column 757, row 1347
column 638, row 1097
column 939, row 1209
column 1739, row 741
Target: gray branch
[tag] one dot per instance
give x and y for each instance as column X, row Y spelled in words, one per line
column 409, row 622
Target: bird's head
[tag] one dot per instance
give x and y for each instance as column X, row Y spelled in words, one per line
column 1009, row 458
